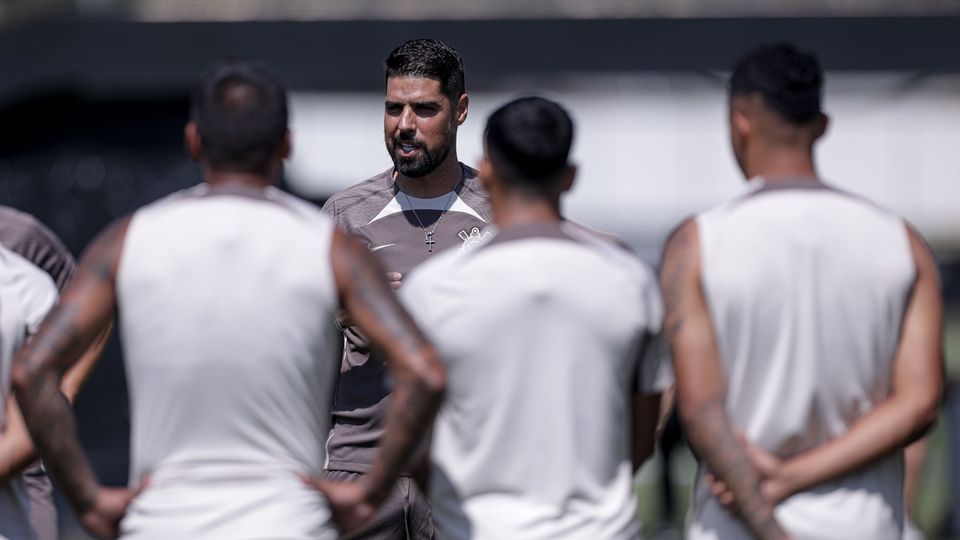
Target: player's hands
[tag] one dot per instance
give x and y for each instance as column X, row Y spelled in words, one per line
column 349, row 503
column 102, row 520
column 394, row 279
column 775, row 484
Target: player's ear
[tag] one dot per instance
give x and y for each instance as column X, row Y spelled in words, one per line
column 486, row 168
column 740, row 123
column 462, row 104
column 191, row 141
column 484, row 173
column 568, row 179
column 286, row 148
column 822, row 123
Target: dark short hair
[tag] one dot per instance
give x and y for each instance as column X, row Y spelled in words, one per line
column 428, row 59
column 790, row 81
column 528, row 141
column 240, row 109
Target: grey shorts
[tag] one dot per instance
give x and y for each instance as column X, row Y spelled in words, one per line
column 43, row 513
column 405, row 515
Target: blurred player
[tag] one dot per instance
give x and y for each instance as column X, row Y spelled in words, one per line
column 426, row 203
column 224, row 291
column 551, row 336
column 26, row 296
column 22, row 234
column 806, row 318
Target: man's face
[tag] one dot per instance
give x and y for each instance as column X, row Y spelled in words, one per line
column 419, row 125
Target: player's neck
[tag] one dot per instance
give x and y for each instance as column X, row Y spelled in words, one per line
column 518, row 210
column 235, row 179
column 440, row 181
column 783, row 164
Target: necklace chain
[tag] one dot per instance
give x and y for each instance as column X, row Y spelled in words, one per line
column 428, row 235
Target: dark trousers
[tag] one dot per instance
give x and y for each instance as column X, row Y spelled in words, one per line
column 405, row 515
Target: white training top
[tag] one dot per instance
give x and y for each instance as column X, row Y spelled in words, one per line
column 225, row 301
column 806, row 288
column 27, row 294
column 547, row 333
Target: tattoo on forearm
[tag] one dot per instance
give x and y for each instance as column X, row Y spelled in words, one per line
column 712, row 436
column 84, row 312
column 413, row 405
column 708, row 428
column 59, row 337
column 47, row 412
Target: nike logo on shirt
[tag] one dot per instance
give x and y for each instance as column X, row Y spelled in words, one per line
column 378, row 248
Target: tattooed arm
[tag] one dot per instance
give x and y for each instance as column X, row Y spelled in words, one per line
column 417, row 373
column 16, row 448
column 77, row 375
column 84, row 312
column 701, row 385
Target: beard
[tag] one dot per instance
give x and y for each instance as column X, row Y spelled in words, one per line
column 428, row 159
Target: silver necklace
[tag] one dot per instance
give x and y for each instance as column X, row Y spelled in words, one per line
column 428, row 235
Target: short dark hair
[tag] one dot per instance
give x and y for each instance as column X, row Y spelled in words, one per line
column 428, row 59
column 528, row 142
column 240, row 109
column 790, row 81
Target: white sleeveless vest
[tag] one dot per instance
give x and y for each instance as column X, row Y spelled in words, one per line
column 806, row 288
column 224, row 302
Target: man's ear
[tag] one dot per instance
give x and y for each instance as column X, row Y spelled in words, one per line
column 568, row 179
column 461, row 110
column 823, row 122
column 286, row 148
column 191, row 141
column 740, row 122
column 485, row 174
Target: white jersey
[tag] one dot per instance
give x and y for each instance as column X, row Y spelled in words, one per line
column 26, row 296
column 546, row 332
column 224, row 300
column 806, row 288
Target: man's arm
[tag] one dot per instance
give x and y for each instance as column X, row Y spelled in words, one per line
column 84, row 312
column 416, row 371
column 701, row 384
column 16, row 449
column 43, row 248
column 73, row 379
column 903, row 418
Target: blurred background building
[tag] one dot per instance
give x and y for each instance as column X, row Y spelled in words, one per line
column 93, row 98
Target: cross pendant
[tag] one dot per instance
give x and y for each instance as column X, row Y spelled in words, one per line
column 429, row 241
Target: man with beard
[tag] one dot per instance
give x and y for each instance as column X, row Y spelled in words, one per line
column 426, row 203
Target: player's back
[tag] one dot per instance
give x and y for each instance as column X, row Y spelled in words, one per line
column 223, row 302
column 806, row 288
column 540, row 330
column 26, row 295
